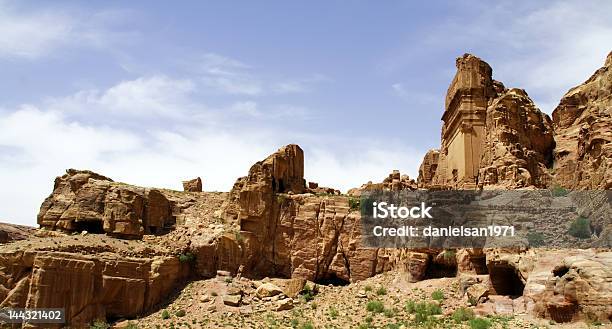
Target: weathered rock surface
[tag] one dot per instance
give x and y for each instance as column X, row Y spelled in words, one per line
column 394, row 182
column 518, row 143
column 583, row 132
column 193, row 185
column 88, row 286
column 492, row 136
column 86, row 201
column 12, row 232
column 280, row 232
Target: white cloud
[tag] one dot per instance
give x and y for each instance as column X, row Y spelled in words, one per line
column 38, row 143
column 34, row 33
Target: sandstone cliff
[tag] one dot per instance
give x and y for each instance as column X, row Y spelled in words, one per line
column 583, row 132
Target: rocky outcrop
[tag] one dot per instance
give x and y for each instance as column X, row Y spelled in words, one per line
column 583, row 132
column 193, row 185
column 89, row 287
column 86, row 201
column 518, row 143
column 491, row 136
column 280, row 232
column 394, row 182
column 428, row 168
column 12, row 232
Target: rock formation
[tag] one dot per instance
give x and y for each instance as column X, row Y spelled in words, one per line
column 88, row 286
column 281, row 232
column 394, row 182
column 193, row 185
column 583, row 132
column 86, row 201
column 11, row 232
column 491, row 135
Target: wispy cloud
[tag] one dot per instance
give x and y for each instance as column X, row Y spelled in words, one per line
column 235, row 77
column 33, row 33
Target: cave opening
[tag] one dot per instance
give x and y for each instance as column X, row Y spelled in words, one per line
column 438, row 270
column 560, row 271
column 506, row 281
column 95, row 227
column 333, row 280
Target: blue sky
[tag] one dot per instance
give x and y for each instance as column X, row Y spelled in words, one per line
column 152, row 93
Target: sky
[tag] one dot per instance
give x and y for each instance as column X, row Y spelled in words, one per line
column 155, row 92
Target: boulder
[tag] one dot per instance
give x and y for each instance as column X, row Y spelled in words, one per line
column 268, row 290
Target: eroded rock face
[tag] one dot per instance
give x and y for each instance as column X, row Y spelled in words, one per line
column 491, row 136
column 193, row 185
column 280, row 232
column 86, row 201
column 518, row 143
column 583, row 132
column 88, row 287
column 428, row 168
column 12, row 232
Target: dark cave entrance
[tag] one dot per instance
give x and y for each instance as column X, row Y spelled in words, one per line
column 438, row 270
column 332, row 280
column 505, row 281
column 95, row 227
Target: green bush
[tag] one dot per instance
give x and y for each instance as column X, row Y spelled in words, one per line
column 423, row 311
column 535, row 239
column 410, row 306
column 99, row 324
column 307, row 325
column 180, row 313
column 580, row 228
column 449, row 255
column 381, row 291
column 333, row 312
column 368, row 288
column 186, row 257
column 375, row 306
column 438, row 295
column 463, row 314
column 389, row 312
column 354, row 203
column 165, row 314
column 480, row 323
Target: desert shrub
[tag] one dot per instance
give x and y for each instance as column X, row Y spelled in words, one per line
column 580, row 228
column 99, row 324
column 375, row 306
column 308, row 293
column 353, row 203
column 368, row 288
column 389, row 312
column 472, row 300
column 180, row 313
column 480, row 323
column 463, row 314
column 165, row 314
column 381, row 291
column 423, row 311
column 307, row 325
column 559, row 191
column 333, row 312
column 186, row 257
column 437, row 295
column 449, row 255
column 410, row 306
column 535, row 239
